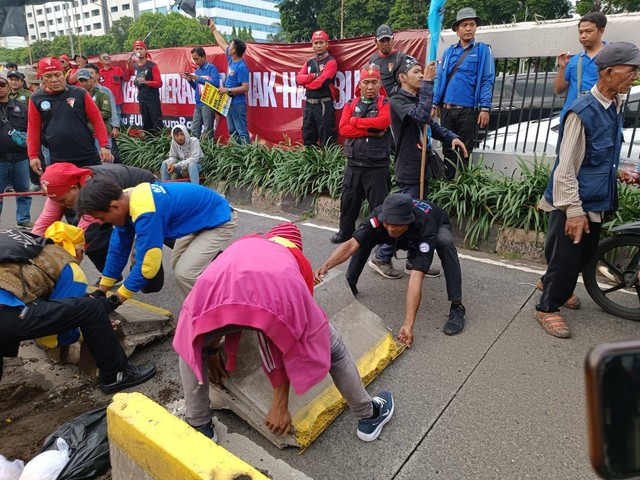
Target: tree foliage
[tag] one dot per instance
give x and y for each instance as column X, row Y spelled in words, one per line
column 170, row 30
column 300, row 18
column 607, row 6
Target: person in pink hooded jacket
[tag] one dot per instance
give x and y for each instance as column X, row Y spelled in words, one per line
column 264, row 283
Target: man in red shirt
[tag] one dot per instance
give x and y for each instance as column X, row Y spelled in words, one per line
column 316, row 76
column 365, row 123
column 58, row 118
column 148, row 81
column 112, row 78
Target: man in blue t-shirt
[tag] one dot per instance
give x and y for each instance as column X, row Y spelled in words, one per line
column 579, row 73
column 204, row 117
column 200, row 220
column 236, row 84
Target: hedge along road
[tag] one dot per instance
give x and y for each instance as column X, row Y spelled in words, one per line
column 500, row 400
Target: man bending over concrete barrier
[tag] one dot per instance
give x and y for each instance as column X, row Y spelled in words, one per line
column 265, row 283
column 201, row 221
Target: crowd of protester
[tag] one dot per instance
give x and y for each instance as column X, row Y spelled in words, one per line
column 68, row 117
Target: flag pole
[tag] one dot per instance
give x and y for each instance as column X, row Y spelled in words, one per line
column 434, row 22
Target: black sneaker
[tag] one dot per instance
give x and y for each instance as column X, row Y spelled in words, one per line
column 131, row 376
column 455, row 324
column 208, row 431
column 433, row 272
column 339, row 238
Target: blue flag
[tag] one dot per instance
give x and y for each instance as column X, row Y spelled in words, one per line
column 434, row 23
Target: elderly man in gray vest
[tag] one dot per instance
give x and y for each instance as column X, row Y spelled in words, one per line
column 583, row 184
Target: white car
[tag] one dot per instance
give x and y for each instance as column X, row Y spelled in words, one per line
column 541, row 136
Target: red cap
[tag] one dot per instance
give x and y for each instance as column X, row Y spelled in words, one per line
column 64, row 57
column 49, row 64
column 59, row 177
column 320, row 35
column 370, row 71
column 139, row 43
column 287, row 231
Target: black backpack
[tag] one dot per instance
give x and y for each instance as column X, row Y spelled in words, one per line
column 19, row 246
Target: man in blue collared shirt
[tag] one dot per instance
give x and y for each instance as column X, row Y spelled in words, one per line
column 464, row 84
column 203, row 124
column 579, row 73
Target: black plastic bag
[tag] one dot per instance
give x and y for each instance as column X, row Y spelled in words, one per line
column 88, row 443
column 436, row 168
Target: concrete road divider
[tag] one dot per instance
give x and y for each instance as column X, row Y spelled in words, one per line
column 248, row 392
column 147, row 442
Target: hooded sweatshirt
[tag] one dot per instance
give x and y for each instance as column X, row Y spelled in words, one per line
column 184, row 155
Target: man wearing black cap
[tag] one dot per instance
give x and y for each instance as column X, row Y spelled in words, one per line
column 388, row 59
column 401, row 220
column 16, row 83
column 583, row 186
column 410, row 112
column 464, row 84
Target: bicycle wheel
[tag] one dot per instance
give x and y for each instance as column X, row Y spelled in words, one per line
column 611, row 277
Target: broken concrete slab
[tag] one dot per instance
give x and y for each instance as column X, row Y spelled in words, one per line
column 138, row 324
column 248, row 392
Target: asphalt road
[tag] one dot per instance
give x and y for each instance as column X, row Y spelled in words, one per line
column 501, row 400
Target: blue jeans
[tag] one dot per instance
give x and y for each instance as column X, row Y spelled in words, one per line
column 193, row 171
column 97, row 142
column 18, row 174
column 203, row 123
column 237, row 122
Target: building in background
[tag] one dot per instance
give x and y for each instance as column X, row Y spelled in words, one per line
column 90, row 17
column 261, row 16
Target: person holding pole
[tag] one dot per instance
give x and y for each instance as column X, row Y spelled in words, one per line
column 410, row 112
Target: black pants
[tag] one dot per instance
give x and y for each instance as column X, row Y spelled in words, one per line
column 319, row 123
column 446, row 251
column 463, row 122
column 48, row 317
column 151, row 113
column 565, row 261
column 360, row 183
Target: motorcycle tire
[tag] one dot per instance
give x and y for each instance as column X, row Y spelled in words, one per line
column 611, row 276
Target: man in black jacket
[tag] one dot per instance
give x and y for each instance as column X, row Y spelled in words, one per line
column 14, row 164
column 365, row 124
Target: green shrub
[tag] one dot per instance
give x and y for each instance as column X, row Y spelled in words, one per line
column 478, row 199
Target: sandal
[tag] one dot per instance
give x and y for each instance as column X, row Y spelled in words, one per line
column 573, row 303
column 553, row 323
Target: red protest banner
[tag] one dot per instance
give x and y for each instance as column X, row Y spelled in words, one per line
column 274, row 100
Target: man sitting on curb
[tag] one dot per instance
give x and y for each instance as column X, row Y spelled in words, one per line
column 36, row 280
column 298, row 345
column 184, row 156
column 399, row 221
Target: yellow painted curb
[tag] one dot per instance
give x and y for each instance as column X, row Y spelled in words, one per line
column 314, row 418
column 138, row 303
column 166, row 447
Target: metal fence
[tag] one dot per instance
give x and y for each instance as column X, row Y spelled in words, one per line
column 524, row 114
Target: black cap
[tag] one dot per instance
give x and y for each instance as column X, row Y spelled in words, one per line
column 618, row 53
column 406, row 64
column 397, row 209
column 15, row 73
column 384, row 31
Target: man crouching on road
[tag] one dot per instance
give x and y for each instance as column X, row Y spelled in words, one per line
column 298, row 345
column 42, row 293
column 399, row 221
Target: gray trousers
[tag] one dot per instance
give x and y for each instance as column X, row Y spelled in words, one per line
column 193, row 253
column 343, row 371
